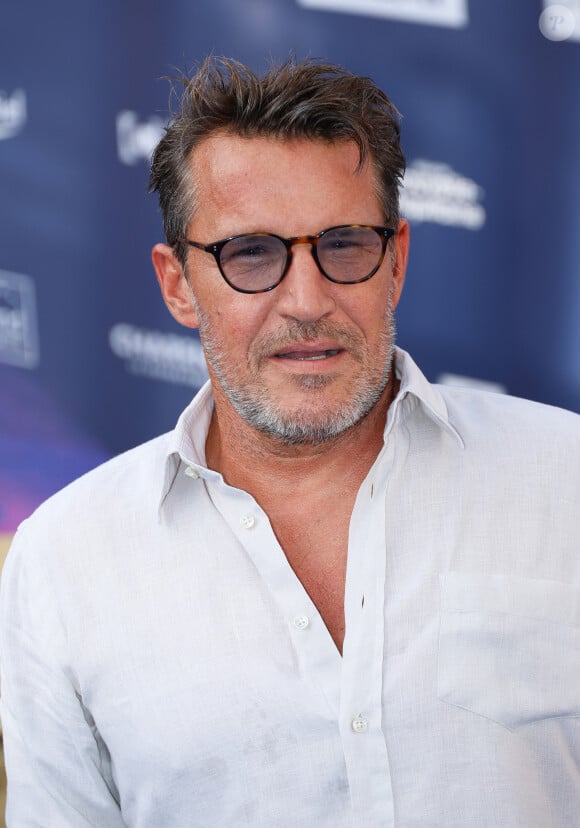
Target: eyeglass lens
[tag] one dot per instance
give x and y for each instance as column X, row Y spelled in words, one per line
column 257, row 262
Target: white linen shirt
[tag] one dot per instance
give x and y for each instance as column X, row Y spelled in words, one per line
column 164, row 667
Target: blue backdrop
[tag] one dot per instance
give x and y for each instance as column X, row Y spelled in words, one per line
column 91, row 362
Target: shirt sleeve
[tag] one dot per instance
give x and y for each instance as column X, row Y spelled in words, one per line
column 57, row 767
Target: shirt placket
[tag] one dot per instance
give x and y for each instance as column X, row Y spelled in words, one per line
column 360, row 722
column 311, row 640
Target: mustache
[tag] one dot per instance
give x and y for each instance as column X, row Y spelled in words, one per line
column 301, row 332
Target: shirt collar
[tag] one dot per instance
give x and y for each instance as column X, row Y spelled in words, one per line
column 415, row 384
column 187, row 440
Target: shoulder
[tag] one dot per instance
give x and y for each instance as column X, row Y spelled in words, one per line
column 102, row 500
column 511, row 436
column 482, row 413
column 484, row 419
column 134, row 473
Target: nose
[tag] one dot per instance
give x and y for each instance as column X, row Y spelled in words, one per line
column 304, row 293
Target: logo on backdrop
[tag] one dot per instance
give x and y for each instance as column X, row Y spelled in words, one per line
column 159, row 355
column 18, row 320
column 453, row 13
column 435, row 192
column 12, row 113
column 460, row 381
column 136, row 139
column 560, row 21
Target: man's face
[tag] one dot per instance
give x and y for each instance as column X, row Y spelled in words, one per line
column 310, row 358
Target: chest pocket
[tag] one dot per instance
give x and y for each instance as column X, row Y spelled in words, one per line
column 509, row 648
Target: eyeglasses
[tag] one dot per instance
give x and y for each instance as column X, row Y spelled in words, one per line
column 257, row 262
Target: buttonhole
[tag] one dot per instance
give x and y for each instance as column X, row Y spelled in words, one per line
column 362, row 603
column 372, row 489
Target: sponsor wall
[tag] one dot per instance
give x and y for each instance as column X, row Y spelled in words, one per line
column 91, row 362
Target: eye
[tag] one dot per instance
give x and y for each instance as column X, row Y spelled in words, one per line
column 351, row 240
column 250, row 252
column 344, row 238
column 253, row 249
column 342, row 244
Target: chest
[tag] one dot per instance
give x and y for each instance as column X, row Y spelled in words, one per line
column 317, row 552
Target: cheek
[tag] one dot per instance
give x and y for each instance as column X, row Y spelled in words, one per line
column 236, row 326
column 250, row 315
column 369, row 316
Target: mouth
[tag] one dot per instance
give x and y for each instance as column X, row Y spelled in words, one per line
column 309, row 355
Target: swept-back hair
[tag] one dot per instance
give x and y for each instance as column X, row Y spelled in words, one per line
column 305, row 99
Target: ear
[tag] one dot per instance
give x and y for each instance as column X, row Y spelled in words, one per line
column 174, row 287
column 401, row 244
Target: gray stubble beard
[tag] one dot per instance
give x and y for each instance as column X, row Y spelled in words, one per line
column 301, row 427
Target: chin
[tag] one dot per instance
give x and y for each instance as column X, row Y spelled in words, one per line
column 307, row 425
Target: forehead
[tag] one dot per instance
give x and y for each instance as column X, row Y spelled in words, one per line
column 266, row 183
column 224, row 146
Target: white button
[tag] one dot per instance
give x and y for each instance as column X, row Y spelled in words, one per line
column 191, row 472
column 359, row 724
column 247, row 521
column 301, row 622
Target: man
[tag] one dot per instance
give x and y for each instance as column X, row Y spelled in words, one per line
column 335, row 595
